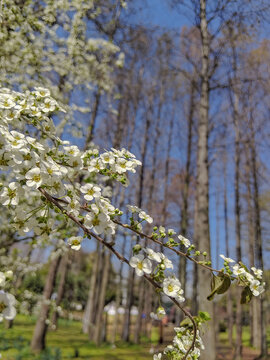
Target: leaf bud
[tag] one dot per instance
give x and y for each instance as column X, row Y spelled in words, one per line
column 136, row 249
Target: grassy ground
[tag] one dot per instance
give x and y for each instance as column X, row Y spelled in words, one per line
column 67, row 341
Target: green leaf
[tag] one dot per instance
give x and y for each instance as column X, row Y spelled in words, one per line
column 246, row 295
column 186, row 322
column 219, row 285
column 226, row 283
column 204, row 316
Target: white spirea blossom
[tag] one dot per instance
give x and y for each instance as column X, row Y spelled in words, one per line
column 35, row 164
column 141, row 264
column 7, row 306
column 184, row 241
column 171, row 286
column 75, row 242
column 226, row 259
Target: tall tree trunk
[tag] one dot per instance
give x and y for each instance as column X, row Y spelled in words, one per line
column 234, row 98
column 140, row 203
column 258, row 243
column 226, row 231
column 38, row 339
column 201, row 223
column 251, row 238
column 93, row 118
column 102, row 295
column 184, row 224
column 89, row 309
column 63, row 268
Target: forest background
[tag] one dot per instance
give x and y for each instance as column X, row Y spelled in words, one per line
column 152, row 106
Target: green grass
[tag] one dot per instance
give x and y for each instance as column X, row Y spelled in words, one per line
column 223, row 337
column 14, row 344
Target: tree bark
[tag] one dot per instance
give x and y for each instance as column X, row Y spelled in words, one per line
column 258, row 243
column 102, row 295
column 201, row 223
column 184, row 224
column 229, row 293
column 63, row 268
column 89, row 310
column 39, row 335
column 234, row 98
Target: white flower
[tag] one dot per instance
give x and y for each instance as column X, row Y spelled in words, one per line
column 228, row 260
column 42, row 92
column 34, row 179
column 99, row 222
column 48, row 105
column 10, row 195
column 6, row 101
column 180, row 297
column 7, row 309
column 157, row 356
column 167, row 262
column 9, row 274
column 90, row 191
column 144, row 216
column 133, row 208
column 238, row 270
column 123, row 165
column 108, row 158
column 184, row 241
column 171, row 286
column 258, row 272
column 72, row 150
column 75, row 242
column 2, row 279
column 256, row 287
column 161, row 311
column 171, row 232
column 152, row 255
column 141, row 265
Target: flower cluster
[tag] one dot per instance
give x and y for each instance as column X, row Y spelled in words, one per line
column 142, row 262
column 7, row 301
column 244, row 276
column 182, row 343
column 46, row 162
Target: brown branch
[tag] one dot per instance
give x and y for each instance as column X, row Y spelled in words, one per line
column 56, row 201
column 178, row 252
column 126, row 226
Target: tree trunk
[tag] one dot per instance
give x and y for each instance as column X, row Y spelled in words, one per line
column 38, row 339
column 201, row 223
column 92, row 121
column 102, row 295
column 145, row 144
column 184, row 211
column 63, row 268
column 89, row 310
column 234, row 98
column 258, row 244
column 229, row 293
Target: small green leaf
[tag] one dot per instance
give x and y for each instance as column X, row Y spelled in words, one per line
column 186, row 322
column 204, row 316
column 246, row 295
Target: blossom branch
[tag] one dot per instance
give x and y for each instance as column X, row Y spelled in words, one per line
column 55, row 201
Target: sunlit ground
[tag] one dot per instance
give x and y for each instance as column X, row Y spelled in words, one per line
column 69, row 343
